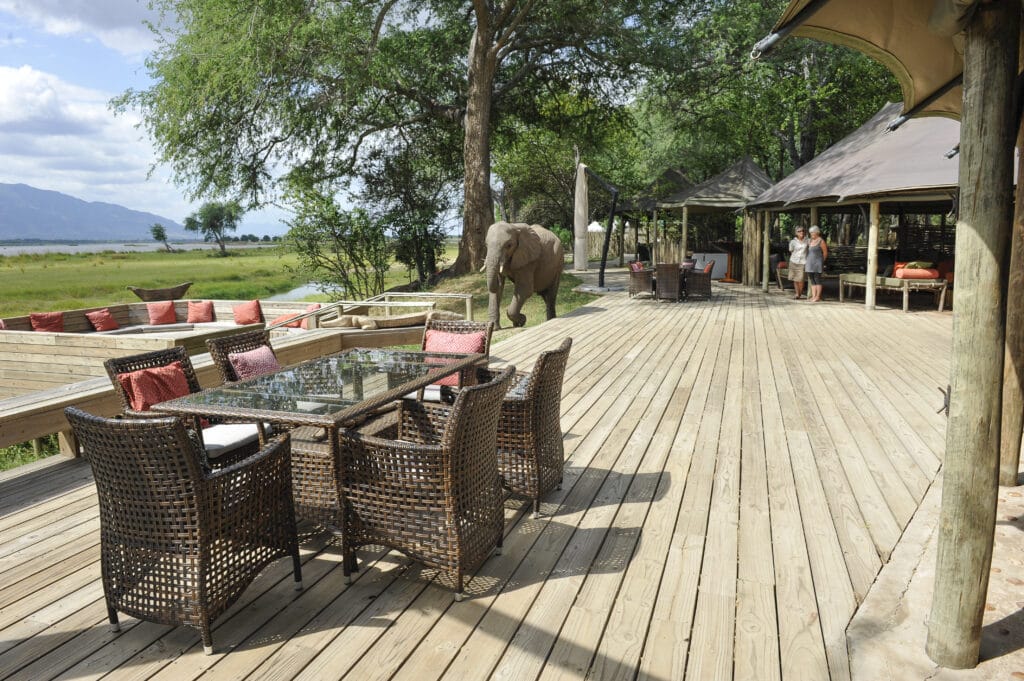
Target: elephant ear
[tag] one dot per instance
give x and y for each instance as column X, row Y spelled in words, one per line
column 527, row 250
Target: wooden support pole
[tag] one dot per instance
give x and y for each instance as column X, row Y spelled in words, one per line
column 814, row 215
column 765, row 249
column 686, row 230
column 870, row 283
column 1013, row 361
column 970, row 465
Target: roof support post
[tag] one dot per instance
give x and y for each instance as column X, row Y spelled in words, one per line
column 970, row 466
column 1013, row 361
column 870, row 284
column 686, row 230
column 766, row 242
column 814, row 215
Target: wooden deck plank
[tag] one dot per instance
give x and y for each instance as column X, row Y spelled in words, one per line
column 727, row 503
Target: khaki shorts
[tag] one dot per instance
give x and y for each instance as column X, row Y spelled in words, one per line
column 795, row 272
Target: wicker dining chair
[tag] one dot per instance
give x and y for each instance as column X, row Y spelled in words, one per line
column 698, row 282
column 222, row 346
column 530, row 452
column 641, row 282
column 439, row 336
column 434, row 492
column 179, row 545
column 224, row 443
column 667, row 281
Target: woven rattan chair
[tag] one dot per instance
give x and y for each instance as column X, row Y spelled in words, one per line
column 530, row 452
column 667, row 281
column 222, row 346
column 180, row 545
column 640, row 283
column 698, row 282
column 434, row 493
column 434, row 393
column 223, row 443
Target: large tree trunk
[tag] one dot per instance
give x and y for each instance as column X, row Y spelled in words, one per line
column 478, row 208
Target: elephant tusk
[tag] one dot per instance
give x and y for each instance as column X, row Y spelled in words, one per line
column 483, row 269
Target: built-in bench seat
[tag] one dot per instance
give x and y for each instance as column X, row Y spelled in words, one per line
column 937, row 287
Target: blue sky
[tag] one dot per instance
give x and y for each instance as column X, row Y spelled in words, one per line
column 61, row 61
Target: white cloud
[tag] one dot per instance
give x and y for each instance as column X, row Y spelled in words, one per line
column 117, row 24
column 55, row 135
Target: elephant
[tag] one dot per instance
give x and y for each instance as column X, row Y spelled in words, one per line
column 532, row 258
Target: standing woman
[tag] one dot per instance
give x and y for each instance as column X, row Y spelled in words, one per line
column 817, row 252
column 797, row 258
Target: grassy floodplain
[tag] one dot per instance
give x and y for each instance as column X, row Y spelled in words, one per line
column 61, row 281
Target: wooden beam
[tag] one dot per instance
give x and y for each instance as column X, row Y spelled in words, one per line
column 869, row 289
column 765, row 248
column 969, row 486
column 686, row 230
column 1013, row 360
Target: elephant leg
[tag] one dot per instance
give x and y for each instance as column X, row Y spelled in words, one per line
column 550, row 297
column 520, row 294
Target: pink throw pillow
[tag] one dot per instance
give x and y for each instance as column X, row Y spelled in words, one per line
column 253, row 362
column 200, row 311
column 248, row 313
column 102, row 320
column 47, row 321
column 309, row 308
column 445, row 341
column 161, row 313
column 147, row 387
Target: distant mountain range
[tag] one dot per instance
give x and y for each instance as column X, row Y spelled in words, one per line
column 30, row 213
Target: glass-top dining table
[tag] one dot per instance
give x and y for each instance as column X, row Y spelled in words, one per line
column 316, row 399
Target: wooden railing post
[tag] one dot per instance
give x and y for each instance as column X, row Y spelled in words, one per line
column 970, row 466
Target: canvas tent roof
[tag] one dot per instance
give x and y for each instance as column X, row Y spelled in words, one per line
column 871, row 163
column 731, row 189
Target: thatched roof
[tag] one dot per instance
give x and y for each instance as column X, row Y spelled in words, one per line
column 731, row 189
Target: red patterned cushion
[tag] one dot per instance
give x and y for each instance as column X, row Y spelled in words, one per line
column 161, row 312
column 248, row 313
column 102, row 320
column 200, row 311
column 147, row 387
column 286, row 320
column 445, row 341
column 47, row 321
column 309, row 308
column 253, row 362
column 636, row 266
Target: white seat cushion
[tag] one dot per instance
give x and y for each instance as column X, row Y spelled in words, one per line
column 226, row 437
column 432, row 393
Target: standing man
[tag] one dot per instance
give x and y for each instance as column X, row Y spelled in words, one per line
column 797, row 260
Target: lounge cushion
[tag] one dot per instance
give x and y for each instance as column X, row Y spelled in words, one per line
column 226, row 437
column 248, row 313
column 636, row 266
column 345, row 321
column 147, row 387
column 254, row 362
column 102, row 320
column 161, row 313
column 200, row 311
column 47, row 321
column 917, row 273
column 445, row 341
column 394, row 322
column 290, row 321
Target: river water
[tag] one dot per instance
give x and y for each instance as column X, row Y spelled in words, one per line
column 120, row 247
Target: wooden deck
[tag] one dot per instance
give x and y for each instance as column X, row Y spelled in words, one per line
column 738, row 471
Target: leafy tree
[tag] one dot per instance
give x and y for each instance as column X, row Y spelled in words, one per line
column 245, row 89
column 160, row 234
column 341, row 251
column 214, row 220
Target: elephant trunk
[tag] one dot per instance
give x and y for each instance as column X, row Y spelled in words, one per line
column 494, row 286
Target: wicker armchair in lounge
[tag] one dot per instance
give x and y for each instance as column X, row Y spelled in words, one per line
column 434, row 493
column 641, row 282
column 698, row 282
column 667, row 281
column 223, row 346
column 530, row 452
column 180, row 545
column 224, row 443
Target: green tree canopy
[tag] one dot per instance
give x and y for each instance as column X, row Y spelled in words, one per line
column 214, row 220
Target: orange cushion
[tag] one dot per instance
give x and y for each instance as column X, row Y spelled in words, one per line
column 636, row 266
column 102, row 320
column 161, row 312
column 200, row 311
column 710, row 266
column 782, row 265
column 944, row 267
column 147, row 387
column 46, row 321
column 248, row 313
column 309, row 308
column 445, row 341
column 897, row 266
column 288, row 320
column 915, row 273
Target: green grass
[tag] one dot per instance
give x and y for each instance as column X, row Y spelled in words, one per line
column 11, row 457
